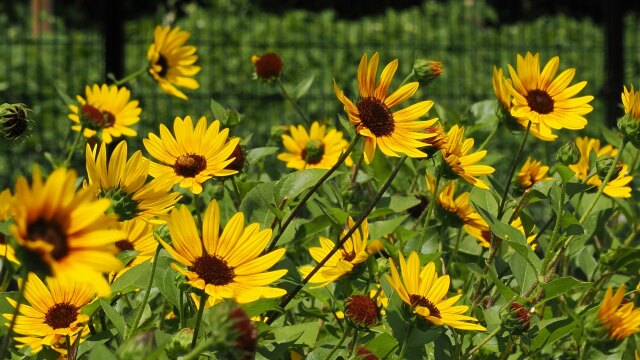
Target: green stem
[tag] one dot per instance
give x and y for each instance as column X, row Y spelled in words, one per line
column 195, row 352
column 556, row 229
column 484, row 341
column 5, row 341
column 236, row 191
column 147, row 291
column 73, row 147
column 432, row 204
column 354, row 345
column 345, row 334
column 290, row 99
column 405, row 343
column 505, row 194
column 489, row 137
column 182, row 310
column 196, row 329
column 131, row 76
column 309, row 193
column 507, row 349
column 285, row 300
column 406, row 79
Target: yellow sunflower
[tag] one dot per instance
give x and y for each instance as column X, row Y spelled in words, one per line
column 316, row 149
column 617, row 187
column 65, row 233
column 501, row 89
column 547, row 102
column 425, row 292
column 106, row 111
column 344, row 260
column 484, row 236
column 631, row 103
column 459, row 160
column 229, row 266
column 394, row 132
column 52, row 313
column 6, row 250
column 438, row 140
column 617, row 315
column 171, row 62
column 194, row 155
column 138, row 236
column 532, row 172
column 122, row 181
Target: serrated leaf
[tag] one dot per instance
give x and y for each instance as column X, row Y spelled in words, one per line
column 292, row 185
column 560, row 286
column 303, row 87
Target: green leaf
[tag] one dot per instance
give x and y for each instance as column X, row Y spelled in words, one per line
column 65, row 98
column 303, row 87
column 348, row 127
column 101, row 352
column 255, row 204
column 560, row 286
column 232, row 117
column 504, row 290
column 556, row 327
column 382, row 345
column 379, row 229
column 92, row 341
column 398, row 203
column 256, row 154
column 116, row 319
column 484, row 199
column 292, row 185
column 484, row 113
column 135, row 278
column 260, row 307
column 166, row 280
column 571, row 225
column 303, row 334
column 126, row 256
column 576, row 188
column 337, row 216
column 219, row 112
column 565, row 173
column 524, row 273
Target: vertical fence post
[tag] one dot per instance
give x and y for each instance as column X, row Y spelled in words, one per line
column 113, row 35
column 613, row 13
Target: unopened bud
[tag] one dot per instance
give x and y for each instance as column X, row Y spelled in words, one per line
column 568, row 154
column 180, row 343
column 517, row 319
column 630, row 128
column 268, row 66
column 362, row 310
column 426, row 70
column 14, row 121
column 604, row 164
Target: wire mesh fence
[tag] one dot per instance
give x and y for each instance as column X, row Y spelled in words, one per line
column 465, row 35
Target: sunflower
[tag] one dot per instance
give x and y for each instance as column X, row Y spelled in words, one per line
column 618, row 187
column 501, row 89
column 547, row 102
column 227, row 265
column 122, row 181
column 618, row 316
column 316, row 149
column 106, row 111
column 394, row 132
column 484, row 236
column 171, row 62
column 6, row 250
column 438, row 140
column 194, row 155
column 424, row 291
column 64, row 233
column 138, row 236
column 631, row 103
column 459, row 161
column 53, row 313
column 532, row 172
column 353, row 252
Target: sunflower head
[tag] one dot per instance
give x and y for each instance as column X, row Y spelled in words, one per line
column 545, row 100
column 362, row 310
column 460, row 161
column 395, row 132
column 629, row 124
column 14, row 121
column 171, row 62
column 618, row 317
column 532, row 172
column 437, row 140
column 319, row 148
column 138, row 237
column 458, row 212
column 268, row 66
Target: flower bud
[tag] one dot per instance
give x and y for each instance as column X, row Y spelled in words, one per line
column 14, row 121
column 180, row 343
column 362, row 310
column 268, row 66
column 516, row 319
column 426, row 70
column 247, row 333
column 604, row 163
column 568, row 154
column 630, row 128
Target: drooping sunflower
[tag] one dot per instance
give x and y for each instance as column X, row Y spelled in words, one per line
column 171, row 62
column 618, row 186
column 532, row 172
column 459, row 160
column 344, row 260
column 122, row 181
column 227, row 265
column 547, row 102
column 194, row 155
column 65, row 233
column 53, row 313
column 397, row 132
column 316, row 149
column 621, row 320
column 6, row 250
column 138, row 236
column 107, row 111
column 424, row 291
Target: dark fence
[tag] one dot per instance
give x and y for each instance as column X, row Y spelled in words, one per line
column 467, row 36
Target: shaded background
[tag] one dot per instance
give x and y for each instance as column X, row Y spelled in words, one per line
column 47, row 45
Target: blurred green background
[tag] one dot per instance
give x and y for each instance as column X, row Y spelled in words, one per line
column 469, row 37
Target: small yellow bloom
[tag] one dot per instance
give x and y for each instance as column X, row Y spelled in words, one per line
column 501, row 89
column 622, row 320
column 532, row 172
column 6, row 250
column 631, row 103
column 138, row 236
column 316, row 149
column 460, row 160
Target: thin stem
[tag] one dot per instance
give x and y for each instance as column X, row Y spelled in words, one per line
column 236, row 191
column 5, row 341
column 434, row 198
column 507, row 350
column 489, row 137
column 131, row 76
column 73, row 147
column 196, row 329
column 290, row 99
column 505, row 194
column 196, row 207
column 354, row 344
column 409, row 77
column 195, row 352
column 491, row 335
column 309, row 193
column 556, row 229
column 285, row 300
column 345, row 334
column 181, row 310
column 147, row 291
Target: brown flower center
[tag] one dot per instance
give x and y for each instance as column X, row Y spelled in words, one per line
column 376, row 116
column 362, row 310
column 61, row 315
column 50, row 232
column 269, row 66
column 418, row 300
column 97, row 119
column 540, row 101
column 313, row 152
column 164, row 66
column 189, row 165
column 213, row 270
column 348, row 256
column 238, row 163
column 124, row 245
